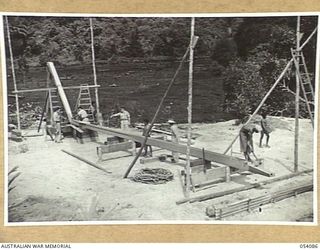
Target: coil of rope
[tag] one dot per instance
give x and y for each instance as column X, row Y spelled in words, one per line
column 153, row 176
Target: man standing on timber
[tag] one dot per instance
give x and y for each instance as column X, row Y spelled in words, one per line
column 246, row 140
column 124, row 118
column 57, row 124
column 266, row 130
column 144, row 133
column 174, row 138
column 82, row 115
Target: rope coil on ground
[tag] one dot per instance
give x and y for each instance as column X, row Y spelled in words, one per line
column 153, row 176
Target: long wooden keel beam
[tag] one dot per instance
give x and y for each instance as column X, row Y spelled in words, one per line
column 196, row 152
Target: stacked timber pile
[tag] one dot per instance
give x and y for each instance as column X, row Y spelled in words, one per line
column 221, row 211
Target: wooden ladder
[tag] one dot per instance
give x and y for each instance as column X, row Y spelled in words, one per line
column 54, row 102
column 84, row 100
column 305, row 81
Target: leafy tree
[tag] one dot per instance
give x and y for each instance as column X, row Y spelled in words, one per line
column 261, row 60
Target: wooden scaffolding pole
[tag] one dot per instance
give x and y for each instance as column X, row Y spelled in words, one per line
column 13, row 74
column 188, row 171
column 98, row 116
column 296, row 131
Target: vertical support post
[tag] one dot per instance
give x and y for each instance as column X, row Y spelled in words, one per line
column 133, row 149
column 99, row 116
column 228, row 178
column 47, row 118
column 99, row 153
column 13, row 75
column 47, row 105
column 188, row 170
column 51, row 108
column 296, row 132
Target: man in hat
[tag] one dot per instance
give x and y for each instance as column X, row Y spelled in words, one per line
column 246, row 140
column 57, row 124
column 174, row 138
column 124, row 118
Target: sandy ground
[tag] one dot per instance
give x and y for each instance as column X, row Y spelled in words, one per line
column 54, row 186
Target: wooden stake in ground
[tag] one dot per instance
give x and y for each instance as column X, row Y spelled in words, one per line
column 43, row 111
column 13, row 75
column 296, row 130
column 98, row 115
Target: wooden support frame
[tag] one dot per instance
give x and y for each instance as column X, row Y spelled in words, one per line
column 116, row 147
column 198, row 162
column 200, row 178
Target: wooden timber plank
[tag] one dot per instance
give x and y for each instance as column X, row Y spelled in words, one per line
column 62, row 94
column 116, row 147
column 210, row 175
column 156, row 130
column 197, row 162
column 76, row 128
column 86, row 161
column 153, row 159
column 196, row 152
column 219, row 211
column 261, row 171
column 47, row 89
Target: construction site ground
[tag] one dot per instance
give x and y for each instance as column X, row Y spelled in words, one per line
column 54, row 186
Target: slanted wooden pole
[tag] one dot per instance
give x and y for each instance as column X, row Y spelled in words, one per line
column 296, row 131
column 86, row 161
column 13, row 74
column 156, row 114
column 188, row 170
column 61, row 92
column 262, row 102
column 308, row 39
column 98, row 116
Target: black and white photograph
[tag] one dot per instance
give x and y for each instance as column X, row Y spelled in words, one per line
column 199, row 119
